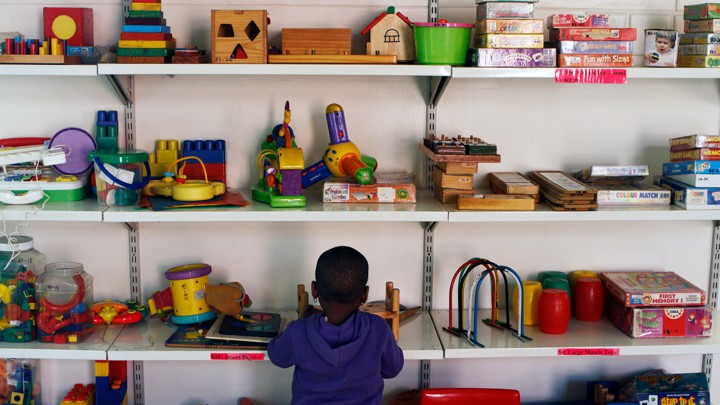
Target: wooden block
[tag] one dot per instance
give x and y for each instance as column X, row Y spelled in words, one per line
column 142, row 59
column 145, row 21
column 458, row 167
column 145, row 13
column 239, row 36
column 40, row 59
column 339, row 59
column 450, row 196
column 145, row 36
column 144, row 52
column 146, row 6
column 496, row 202
column 454, row 181
column 316, row 41
column 190, row 59
column 512, row 183
column 146, row 44
column 72, row 24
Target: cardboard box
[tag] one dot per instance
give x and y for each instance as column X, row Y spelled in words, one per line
column 701, row 11
column 699, row 38
column 504, row 10
column 704, row 26
column 509, row 26
column 676, row 389
column 695, row 154
column 509, row 40
column 595, row 60
column 692, row 167
column 595, row 47
column 700, row 61
column 631, row 194
column 660, row 321
column 700, row 49
column 689, row 197
column 578, row 20
column 651, row 289
column 660, row 48
column 694, row 141
column 512, row 57
column 388, row 188
column 593, row 34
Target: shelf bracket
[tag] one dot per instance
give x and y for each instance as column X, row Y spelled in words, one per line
column 713, row 290
column 125, row 96
column 438, row 84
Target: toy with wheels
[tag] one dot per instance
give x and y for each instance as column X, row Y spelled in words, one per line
column 180, row 189
column 341, row 157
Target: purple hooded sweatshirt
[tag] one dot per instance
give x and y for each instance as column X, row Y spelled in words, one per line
column 342, row 364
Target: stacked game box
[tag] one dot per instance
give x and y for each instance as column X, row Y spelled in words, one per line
column 145, row 37
column 455, row 164
column 507, row 35
column 699, row 44
column 693, row 173
column 651, row 304
column 587, row 40
column 563, row 192
column 623, row 186
column 660, row 48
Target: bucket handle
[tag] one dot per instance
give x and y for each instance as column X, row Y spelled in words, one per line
column 102, row 168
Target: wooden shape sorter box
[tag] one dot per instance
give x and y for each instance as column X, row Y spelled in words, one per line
column 239, row 36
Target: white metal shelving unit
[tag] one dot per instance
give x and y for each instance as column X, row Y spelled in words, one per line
column 146, row 342
column 601, row 335
column 95, row 347
column 48, row 70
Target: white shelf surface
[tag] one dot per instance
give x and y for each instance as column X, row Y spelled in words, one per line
column 86, row 210
column 543, row 213
column 48, row 70
column 549, row 73
column 580, row 335
column 95, row 347
column 146, row 341
column 274, row 69
column 427, row 209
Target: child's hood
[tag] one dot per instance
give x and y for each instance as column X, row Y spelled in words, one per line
column 338, row 344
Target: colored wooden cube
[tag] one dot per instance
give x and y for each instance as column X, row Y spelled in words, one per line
column 74, row 25
column 239, row 36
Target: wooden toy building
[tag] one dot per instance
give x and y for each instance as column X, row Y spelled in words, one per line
column 391, row 33
column 145, row 37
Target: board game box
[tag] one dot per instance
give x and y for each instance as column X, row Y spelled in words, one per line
column 700, row 49
column 593, row 47
column 630, row 194
column 686, row 388
column 578, row 20
column 694, row 141
column 509, row 26
column 613, row 173
column 652, row 289
column 505, row 10
column 700, row 61
column 509, row 40
column 692, row 167
column 595, row 60
column 695, row 154
column 593, row 34
column 387, row 188
column 512, row 57
column 640, row 322
column 699, row 38
column 701, row 11
column 689, row 197
column 704, row 26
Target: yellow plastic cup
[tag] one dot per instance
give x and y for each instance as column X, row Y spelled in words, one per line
column 531, row 300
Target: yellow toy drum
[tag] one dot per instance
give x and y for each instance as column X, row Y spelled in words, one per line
column 187, row 287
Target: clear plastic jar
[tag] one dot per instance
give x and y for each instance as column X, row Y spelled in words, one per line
column 65, row 296
column 20, row 263
column 27, row 255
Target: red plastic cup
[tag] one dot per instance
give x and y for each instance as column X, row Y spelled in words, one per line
column 554, row 311
column 588, row 299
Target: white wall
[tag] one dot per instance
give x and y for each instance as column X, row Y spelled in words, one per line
column 537, row 125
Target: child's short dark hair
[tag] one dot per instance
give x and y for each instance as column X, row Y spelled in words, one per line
column 341, row 274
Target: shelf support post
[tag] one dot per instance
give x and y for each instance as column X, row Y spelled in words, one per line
column 713, row 291
column 429, row 229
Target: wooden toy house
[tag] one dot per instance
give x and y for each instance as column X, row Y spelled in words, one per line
column 391, row 33
column 239, row 36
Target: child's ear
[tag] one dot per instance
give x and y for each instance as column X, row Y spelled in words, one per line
column 365, row 294
column 313, row 290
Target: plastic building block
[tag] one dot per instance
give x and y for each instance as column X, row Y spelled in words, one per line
column 74, row 25
column 106, row 130
column 166, row 152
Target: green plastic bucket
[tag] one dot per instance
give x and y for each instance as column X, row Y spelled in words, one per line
column 442, row 43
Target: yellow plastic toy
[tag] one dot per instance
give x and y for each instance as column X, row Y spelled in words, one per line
column 180, row 189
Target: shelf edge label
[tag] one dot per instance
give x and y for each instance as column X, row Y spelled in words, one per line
column 591, row 75
column 588, row 351
column 237, row 356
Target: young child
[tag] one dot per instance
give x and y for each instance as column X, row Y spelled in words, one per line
column 342, row 354
column 663, row 53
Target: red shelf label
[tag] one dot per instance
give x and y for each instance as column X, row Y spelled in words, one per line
column 599, row 351
column 591, row 75
column 237, row 356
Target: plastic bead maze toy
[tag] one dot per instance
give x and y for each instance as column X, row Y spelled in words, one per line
column 341, row 157
column 493, row 270
column 280, row 163
column 179, row 188
column 117, row 312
